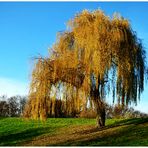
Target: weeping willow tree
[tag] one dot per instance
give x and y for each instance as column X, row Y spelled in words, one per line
column 96, row 56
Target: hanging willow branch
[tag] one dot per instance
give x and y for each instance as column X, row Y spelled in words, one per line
column 95, row 45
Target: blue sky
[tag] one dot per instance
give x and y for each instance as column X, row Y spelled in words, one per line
column 28, row 29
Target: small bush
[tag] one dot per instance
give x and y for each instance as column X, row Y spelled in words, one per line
column 90, row 113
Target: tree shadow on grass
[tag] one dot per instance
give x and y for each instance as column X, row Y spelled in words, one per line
column 17, row 138
column 134, row 121
column 1, row 118
column 134, row 133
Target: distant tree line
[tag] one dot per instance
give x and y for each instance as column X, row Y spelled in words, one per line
column 114, row 111
column 12, row 106
column 118, row 111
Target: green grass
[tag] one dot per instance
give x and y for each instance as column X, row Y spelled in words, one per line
column 73, row 131
column 130, row 132
column 16, row 130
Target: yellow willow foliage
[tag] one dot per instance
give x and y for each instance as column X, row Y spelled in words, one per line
column 39, row 92
column 73, row 100
column 92, row 35
column 83, row 59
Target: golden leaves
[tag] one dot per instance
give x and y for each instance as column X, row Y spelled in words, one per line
column 95, row 44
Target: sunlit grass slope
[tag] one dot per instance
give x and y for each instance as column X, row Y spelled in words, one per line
column 73, row 131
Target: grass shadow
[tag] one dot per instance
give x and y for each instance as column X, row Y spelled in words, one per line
column 1, row 118
column 130, row 121
column 134, row 121
column 135, row 133
column 17, row 138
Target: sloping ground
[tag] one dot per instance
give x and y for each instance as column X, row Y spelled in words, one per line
column 131, row 132
column 72, row 132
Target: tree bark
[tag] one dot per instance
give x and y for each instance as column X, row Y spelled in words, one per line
column 100, row 111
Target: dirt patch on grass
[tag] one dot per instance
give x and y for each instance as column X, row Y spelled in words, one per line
column 132, row 132
column 72, row 136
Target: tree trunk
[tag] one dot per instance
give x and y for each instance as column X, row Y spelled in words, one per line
column 100, row 111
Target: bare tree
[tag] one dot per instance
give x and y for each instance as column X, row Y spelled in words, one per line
column 4, row 109
column 13, row 106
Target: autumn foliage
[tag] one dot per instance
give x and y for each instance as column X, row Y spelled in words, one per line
column 95, row 56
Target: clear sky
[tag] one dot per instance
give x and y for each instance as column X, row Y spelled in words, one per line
column 28, row 29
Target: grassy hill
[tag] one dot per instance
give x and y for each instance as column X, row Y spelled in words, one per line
column 73, row 131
